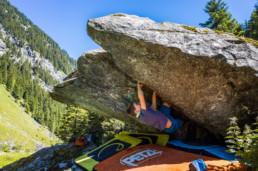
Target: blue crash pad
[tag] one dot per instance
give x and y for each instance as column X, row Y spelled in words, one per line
column 210, row 150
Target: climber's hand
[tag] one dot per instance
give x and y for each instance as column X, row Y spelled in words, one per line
column 154, row 94
column 140, row 85
column 141, row 96
column 154, row 103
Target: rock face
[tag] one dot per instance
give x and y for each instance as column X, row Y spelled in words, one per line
column 2, row 47
column 102, row 89
column 207, row 76
column 59, row 157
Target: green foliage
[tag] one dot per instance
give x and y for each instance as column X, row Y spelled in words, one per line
column 74, row 124
column 244, row 144
column 79, row 122
column 252, row 25
column 111, row 128
column 220, row 18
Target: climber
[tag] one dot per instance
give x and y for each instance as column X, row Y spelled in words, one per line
column 161, row 120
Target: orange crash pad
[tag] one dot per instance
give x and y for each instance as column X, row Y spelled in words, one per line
column 154, row 157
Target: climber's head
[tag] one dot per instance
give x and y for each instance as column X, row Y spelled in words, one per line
column 134, row 108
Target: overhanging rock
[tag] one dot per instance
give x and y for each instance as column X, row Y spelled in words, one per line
column 207, row 76
column 102, row 89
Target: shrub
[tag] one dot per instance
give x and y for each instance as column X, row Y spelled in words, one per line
column 17, row 148
column 243, row 144
column 5, row 148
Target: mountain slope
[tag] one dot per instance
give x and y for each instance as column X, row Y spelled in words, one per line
column 25, row 32
column 30, row 64
column 18, row 129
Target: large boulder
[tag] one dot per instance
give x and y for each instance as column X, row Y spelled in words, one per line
column 99, row 86
column 206, row 75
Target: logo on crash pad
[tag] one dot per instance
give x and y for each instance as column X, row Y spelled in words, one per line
column 139, row 156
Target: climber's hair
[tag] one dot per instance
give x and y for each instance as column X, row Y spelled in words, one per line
column 131, row 108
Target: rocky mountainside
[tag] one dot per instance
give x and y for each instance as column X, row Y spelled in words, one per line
column 2, row 47
column 207, row 76
column 34, row 58
column 30, row 64
column 28, row 42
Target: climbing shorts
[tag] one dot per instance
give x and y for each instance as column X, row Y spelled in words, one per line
column 176, row 123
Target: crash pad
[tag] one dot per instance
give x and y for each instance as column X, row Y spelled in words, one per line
column 154, row 157
column 147, row 138
column 209, row 150
column 121, row 142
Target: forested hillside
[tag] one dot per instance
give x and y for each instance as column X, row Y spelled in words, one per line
column 30, row 64
column 19, row 26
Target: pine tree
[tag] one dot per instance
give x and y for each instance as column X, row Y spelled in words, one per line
column 1, row 79
column 53, row 128
column 243, row 143
column 27, row 108
column 17, row 91
column 252, row 25
column 4, row 73
column 11, row 77
column 74, row 124
column 220, row 18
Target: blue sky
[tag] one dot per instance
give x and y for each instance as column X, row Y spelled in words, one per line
column 65, row 20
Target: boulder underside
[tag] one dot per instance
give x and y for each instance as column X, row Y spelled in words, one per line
column 207, row 77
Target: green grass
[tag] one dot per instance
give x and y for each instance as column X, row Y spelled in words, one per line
column 9, row 158
column 17, row 127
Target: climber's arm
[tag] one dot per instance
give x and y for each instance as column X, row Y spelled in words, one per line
column 141, row 96
column 154, row 104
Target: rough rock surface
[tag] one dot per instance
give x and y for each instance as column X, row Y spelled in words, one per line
column 2, row 47
column 103, row 90
column 59, row 157
column 207, row 76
